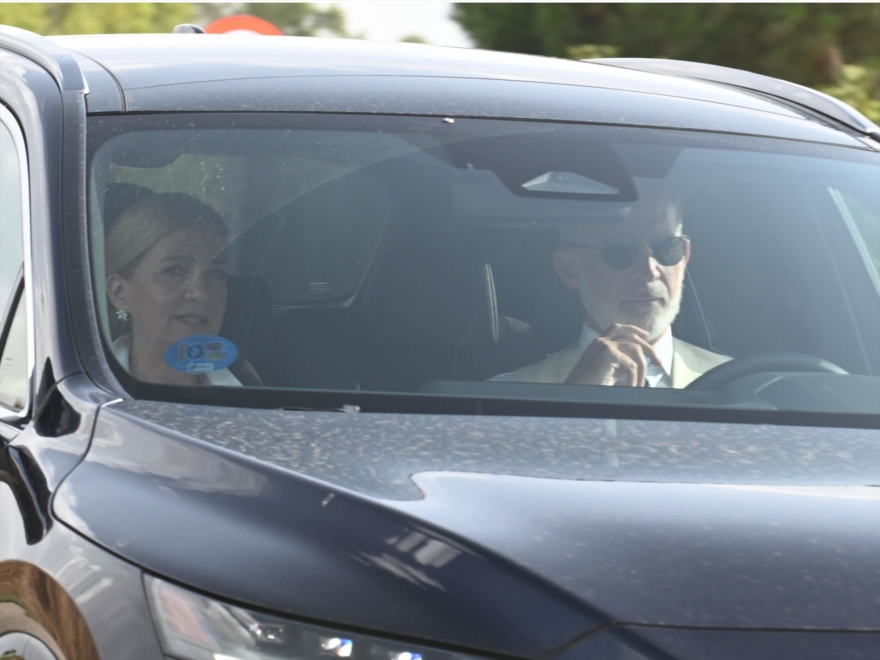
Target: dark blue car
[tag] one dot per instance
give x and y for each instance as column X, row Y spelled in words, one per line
column 328, row 349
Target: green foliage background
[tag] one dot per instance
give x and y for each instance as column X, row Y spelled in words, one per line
column 97, row 18
column 834, row 47
column 300, row 18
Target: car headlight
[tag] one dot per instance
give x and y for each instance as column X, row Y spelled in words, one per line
column 193, row 627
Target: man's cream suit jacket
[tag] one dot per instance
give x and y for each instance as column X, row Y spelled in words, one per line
column 688, row 363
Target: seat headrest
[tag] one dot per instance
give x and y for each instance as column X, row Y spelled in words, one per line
column 419, row 297
column 557, row 318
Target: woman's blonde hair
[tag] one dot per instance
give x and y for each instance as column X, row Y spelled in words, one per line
column 150, row 219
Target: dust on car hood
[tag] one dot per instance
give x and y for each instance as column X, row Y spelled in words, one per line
column 592, row 522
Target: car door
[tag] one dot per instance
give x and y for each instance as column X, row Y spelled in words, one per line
column 16, row 384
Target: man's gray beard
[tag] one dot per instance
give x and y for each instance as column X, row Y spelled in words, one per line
column 654, row 323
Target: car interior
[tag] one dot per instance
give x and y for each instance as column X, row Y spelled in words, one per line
column 395, row 275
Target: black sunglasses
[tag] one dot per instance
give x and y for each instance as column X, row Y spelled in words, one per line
column 621, row 255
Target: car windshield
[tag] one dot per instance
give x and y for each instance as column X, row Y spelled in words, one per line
column 469, row 259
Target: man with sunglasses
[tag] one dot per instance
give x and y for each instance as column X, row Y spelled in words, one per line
column 629, row 276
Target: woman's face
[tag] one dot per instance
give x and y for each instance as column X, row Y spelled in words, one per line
column 177, row 289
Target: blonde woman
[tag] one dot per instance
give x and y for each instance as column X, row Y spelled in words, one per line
column 167, row 269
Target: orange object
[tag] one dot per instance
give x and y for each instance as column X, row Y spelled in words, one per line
column 242, row 23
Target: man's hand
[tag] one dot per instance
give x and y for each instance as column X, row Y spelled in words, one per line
column 616, row 357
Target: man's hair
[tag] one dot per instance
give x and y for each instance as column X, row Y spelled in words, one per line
column 649, row 191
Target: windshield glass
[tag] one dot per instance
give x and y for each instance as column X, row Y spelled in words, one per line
column 486, row 259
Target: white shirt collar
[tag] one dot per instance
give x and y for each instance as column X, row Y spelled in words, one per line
column 657, row 376
column 122, row 351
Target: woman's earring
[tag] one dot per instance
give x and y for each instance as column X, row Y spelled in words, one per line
column 122, row 315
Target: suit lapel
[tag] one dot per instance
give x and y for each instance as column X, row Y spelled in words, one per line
column 684, row 365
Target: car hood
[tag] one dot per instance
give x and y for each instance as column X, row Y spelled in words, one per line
column 513, row 535
column 725, row 556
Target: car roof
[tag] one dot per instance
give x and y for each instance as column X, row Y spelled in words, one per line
column 139, row 61
column 197, row 72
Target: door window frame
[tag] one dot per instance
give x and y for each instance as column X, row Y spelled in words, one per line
column 8, row 415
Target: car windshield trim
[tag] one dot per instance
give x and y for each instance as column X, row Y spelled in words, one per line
column 314, row 400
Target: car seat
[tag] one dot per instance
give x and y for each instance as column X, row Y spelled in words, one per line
column 248, row 324
column 428, row 314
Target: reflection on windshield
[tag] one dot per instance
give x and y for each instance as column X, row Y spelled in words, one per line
column 397, row 254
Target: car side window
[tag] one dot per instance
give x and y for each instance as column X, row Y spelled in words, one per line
column 13, row 361
column 11, row 250
column 13, row 309
column 865, row 222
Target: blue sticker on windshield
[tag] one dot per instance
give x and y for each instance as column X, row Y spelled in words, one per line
column 201, row 354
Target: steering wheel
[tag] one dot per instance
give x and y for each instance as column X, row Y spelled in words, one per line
column 738, row 368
